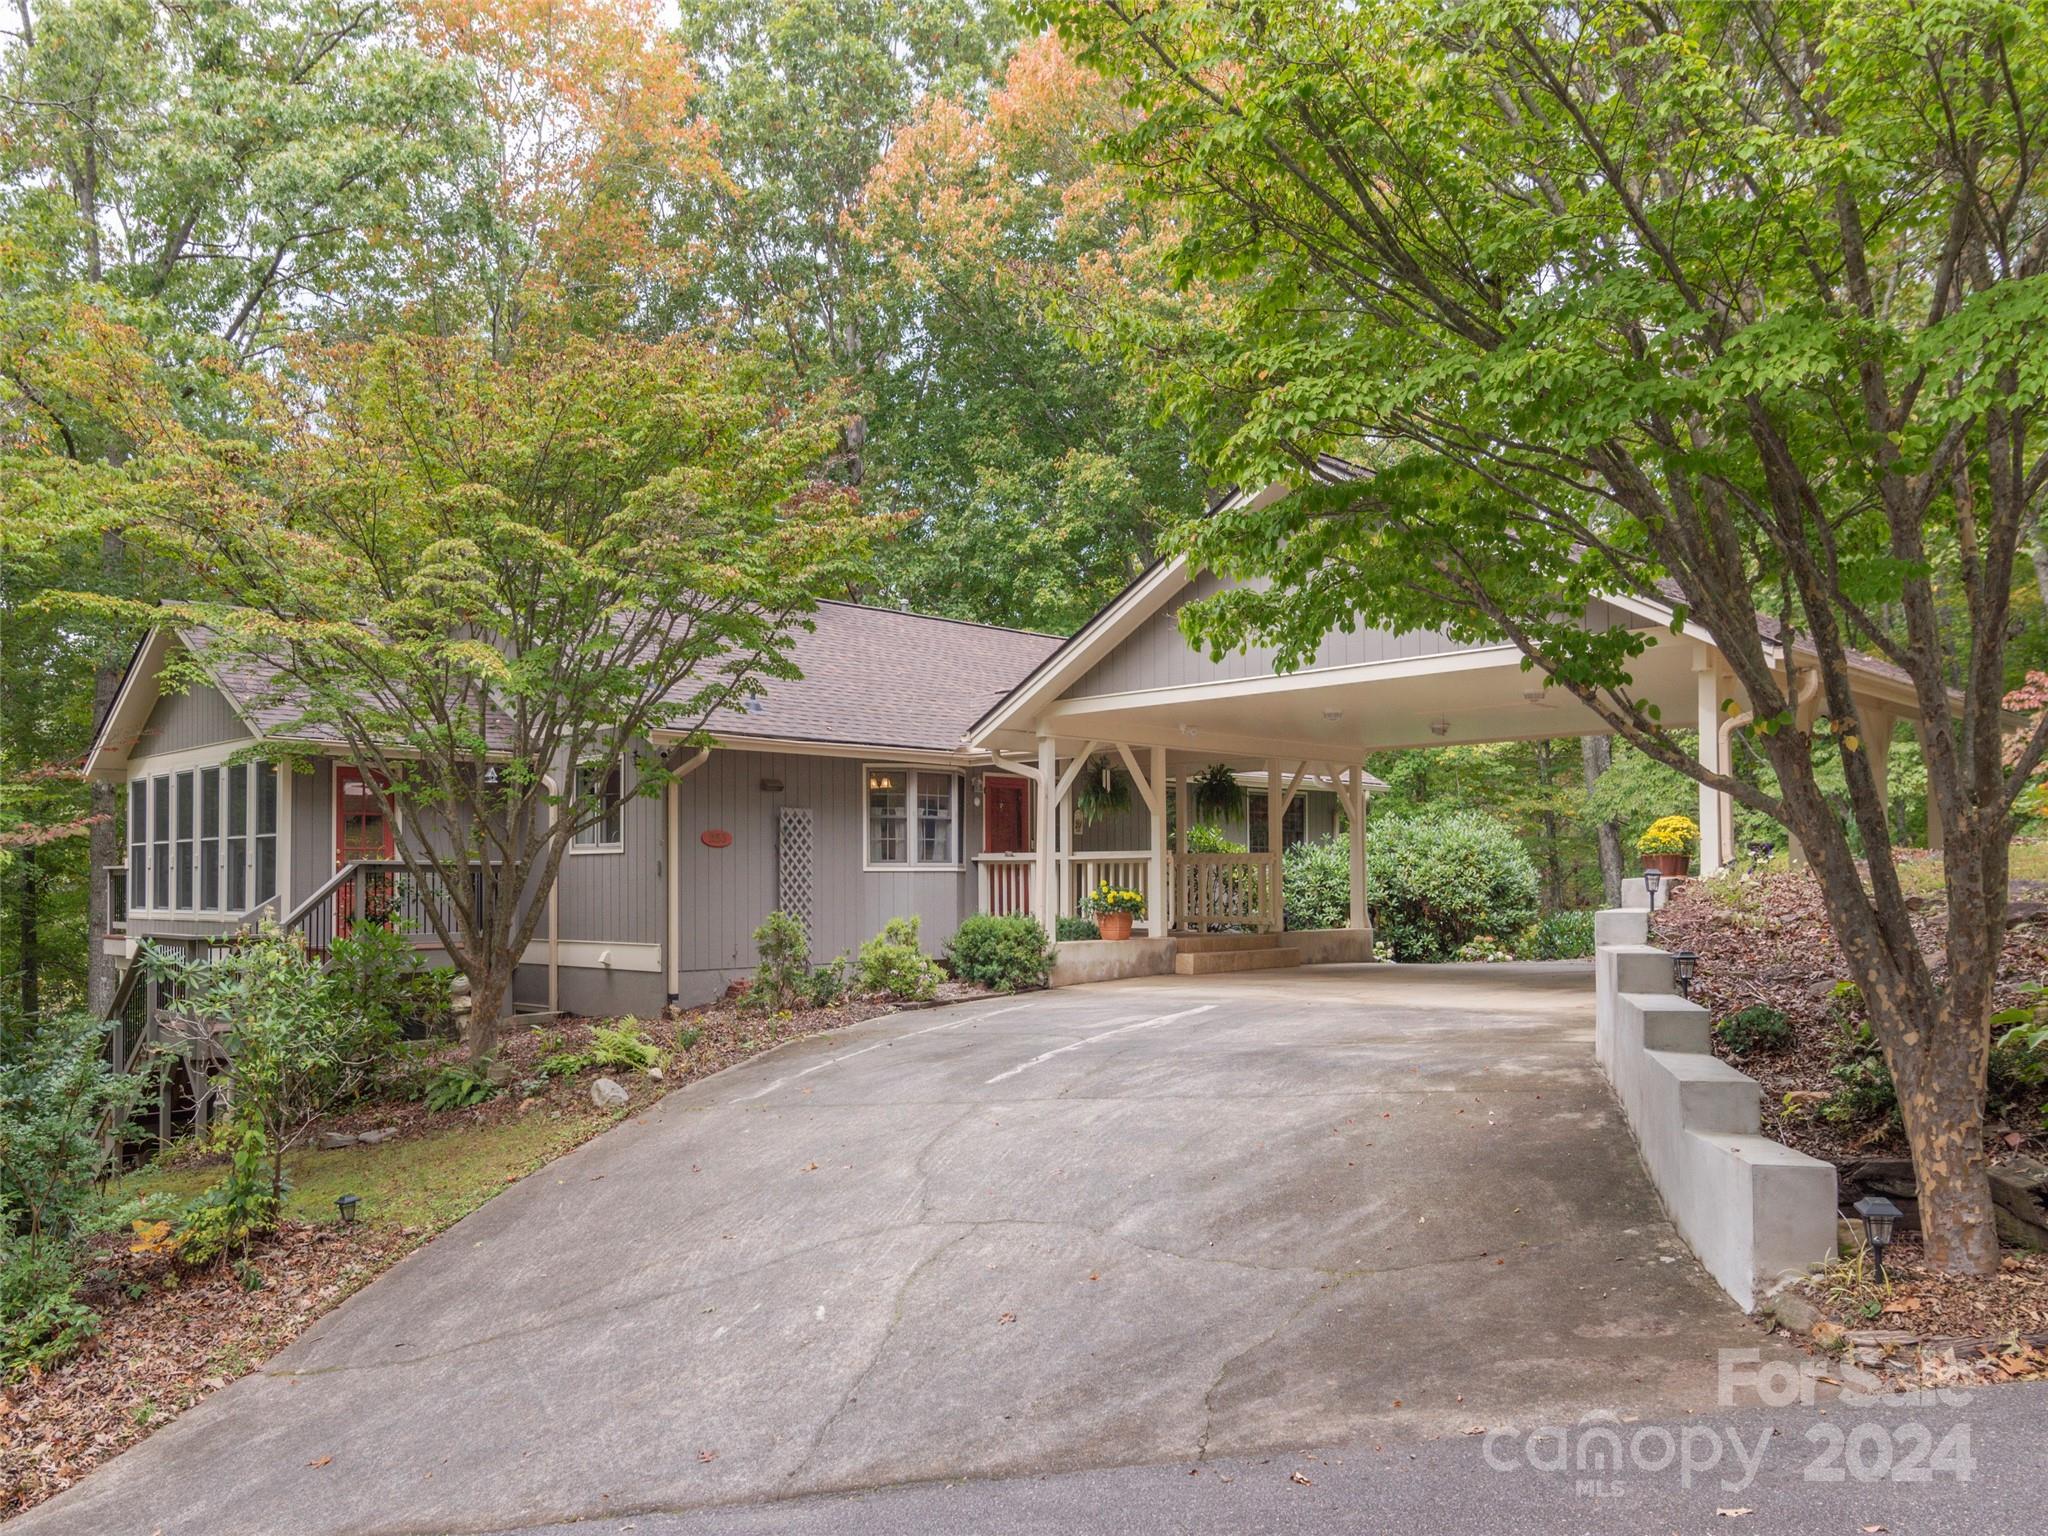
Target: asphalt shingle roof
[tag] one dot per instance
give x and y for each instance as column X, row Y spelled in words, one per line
column 883, row 678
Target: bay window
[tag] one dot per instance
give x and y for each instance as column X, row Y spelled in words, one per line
column 138, row 843
column 209, row 839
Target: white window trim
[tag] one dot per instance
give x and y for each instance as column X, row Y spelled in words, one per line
column 625, row 799
column 912, row 865
column 170, row 764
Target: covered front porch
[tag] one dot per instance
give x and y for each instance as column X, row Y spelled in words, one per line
column 1060, row 860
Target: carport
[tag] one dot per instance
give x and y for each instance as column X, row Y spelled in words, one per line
column 1129, row 689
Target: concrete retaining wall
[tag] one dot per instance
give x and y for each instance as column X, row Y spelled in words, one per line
column 1753, row 1210
column 1084, row 960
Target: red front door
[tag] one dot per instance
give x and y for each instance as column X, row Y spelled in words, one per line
column 361, row 831
column 1006, row 815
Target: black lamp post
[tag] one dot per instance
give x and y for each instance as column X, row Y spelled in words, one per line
column 346, row 1204
column 1879, row 1217
column 1651, row 877
column 1683, row 963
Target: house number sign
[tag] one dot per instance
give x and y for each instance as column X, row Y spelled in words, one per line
column 715, row 838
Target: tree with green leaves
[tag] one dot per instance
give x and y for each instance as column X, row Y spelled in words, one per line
column 489, row 579
column 1734, row 307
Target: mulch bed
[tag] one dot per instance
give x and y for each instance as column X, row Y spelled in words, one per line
column 170, row 1338
column 1920, row 1328
column 1767, row 940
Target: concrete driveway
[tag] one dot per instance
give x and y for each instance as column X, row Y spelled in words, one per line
column 1128, row 1223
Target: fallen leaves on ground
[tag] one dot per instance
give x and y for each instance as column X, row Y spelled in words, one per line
column 166, row 1347
column 1765, row 939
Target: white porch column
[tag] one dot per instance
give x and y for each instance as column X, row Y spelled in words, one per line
column 1716, row 812
column 1354, row 810
column 1877, row 747
column 1934, row 827
column 1180, row 842
column 1063, row 869
column 1159, row 920
column 1276, row 812
column 1044, row 893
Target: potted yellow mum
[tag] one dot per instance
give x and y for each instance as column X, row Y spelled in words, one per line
column 1668, row 845
column 1113, row 909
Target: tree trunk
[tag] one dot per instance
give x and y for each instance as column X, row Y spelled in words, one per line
column 489, row 989
column 30, row 894
column 1951, row 1173
column 103, row 841
column 1597, row 753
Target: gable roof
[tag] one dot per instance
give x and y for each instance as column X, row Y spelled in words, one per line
column 872, row 677
column 880, row 677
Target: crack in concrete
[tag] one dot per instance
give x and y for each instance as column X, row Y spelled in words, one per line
column 852, row 1393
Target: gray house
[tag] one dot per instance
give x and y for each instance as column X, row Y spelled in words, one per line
column 919, row 767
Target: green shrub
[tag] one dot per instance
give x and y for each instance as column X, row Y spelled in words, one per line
column 1074, row 929
column 220, row 1222
column 892, row 964
column 1203, row 838
column 782, row 972
column 1006, row 953
column 1557, row 936
column 1759, row 1027
column 42, row 1321
column 622, row 1047
column 1867, row 1094
column 1484, row 948
column 1441, row 879
column 379, row 973
column 465, row 1087
column 826, row 985
column 1315, row 883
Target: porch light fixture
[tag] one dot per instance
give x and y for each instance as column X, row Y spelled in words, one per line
column 347, row 1204
column 1683, row 963
column 1651, row 877
column 1879, row 1217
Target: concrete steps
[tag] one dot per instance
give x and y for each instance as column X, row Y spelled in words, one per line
column 1217, row 954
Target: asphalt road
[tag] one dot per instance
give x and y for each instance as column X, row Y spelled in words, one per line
column 1196, row 1221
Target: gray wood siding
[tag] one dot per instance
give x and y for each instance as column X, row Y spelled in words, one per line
column 311, row 814
column 618, row 897
column 1158, row 656
column 725, row 892
column 1130, row 829
column 181, row 722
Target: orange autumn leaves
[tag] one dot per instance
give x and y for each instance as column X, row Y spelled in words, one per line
column 592, row 135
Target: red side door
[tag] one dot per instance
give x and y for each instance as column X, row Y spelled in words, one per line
column 1005, row 815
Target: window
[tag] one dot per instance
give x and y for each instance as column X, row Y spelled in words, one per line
column 913, row 818
column 209, row 839
column 160, row 842
column 266, row 831
column 1293, row 824
column 606, row 787
column 238, row 837
column 184, row 852
column 138, row 843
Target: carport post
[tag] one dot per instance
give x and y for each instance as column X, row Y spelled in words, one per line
column 1354, row 810
column 1714, row 806
column 1159, row 921
column 1276, row 812
column 1048, row 797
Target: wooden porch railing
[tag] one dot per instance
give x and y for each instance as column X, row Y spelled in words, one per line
column 378, row 890
column 1220, row 891
column 1005, row 880
column 1121, row 869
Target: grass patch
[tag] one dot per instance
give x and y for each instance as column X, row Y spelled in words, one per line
column 423, row 1183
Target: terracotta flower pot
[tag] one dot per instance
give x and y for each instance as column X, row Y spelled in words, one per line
column 1114, row 925
column 1668, row 864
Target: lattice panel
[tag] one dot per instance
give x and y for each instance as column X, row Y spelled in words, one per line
column 796, row 843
